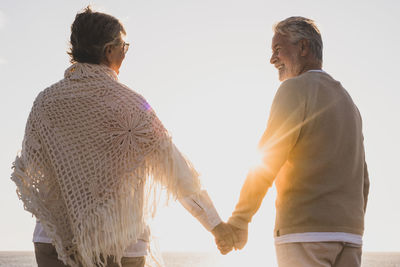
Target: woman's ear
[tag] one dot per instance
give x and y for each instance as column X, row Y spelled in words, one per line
column 107, row 55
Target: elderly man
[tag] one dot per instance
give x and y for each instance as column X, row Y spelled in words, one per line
column 313, row 149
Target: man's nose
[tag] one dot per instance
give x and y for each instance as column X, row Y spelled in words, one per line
column 273, row 59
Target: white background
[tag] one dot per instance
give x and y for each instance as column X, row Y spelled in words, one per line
column 204, row 67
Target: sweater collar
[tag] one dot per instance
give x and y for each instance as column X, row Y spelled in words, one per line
column 321, row 71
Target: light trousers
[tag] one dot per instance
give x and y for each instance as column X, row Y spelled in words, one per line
column 318, row 254
column 46, row 256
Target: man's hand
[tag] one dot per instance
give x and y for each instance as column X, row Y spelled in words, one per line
column 225, row 238
column 241, row 236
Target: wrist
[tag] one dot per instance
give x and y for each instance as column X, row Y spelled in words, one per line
column 238, row 223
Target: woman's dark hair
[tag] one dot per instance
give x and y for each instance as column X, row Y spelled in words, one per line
column 90, row 32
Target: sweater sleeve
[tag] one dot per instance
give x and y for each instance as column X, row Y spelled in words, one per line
column 202, row 208
column 188, row 182
column 366, row 186
column 187, row 188
column 167, row 165
column 283, row 129
column 177, row 174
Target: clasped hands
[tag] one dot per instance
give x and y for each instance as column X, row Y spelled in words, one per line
column 229, row 237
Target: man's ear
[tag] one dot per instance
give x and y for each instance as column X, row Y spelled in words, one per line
column 304, row 47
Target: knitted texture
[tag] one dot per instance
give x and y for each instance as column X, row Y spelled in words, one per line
column 90, row 146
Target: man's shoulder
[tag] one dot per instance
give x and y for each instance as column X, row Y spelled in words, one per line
column 290, row 91
column 295, row 85
column 309, row 80
column 300, row 87
column 304, row 78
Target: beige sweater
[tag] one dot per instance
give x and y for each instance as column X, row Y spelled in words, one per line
column 313, row 149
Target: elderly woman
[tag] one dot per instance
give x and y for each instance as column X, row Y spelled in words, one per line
column 92, row 154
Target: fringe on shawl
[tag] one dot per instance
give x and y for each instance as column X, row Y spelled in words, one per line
column 111, row 227
column 173, row 172
column 29, row 193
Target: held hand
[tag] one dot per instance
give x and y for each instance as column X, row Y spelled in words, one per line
column 241, row 236
column 225, row 238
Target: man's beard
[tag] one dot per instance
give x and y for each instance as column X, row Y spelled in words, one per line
column 296, row 68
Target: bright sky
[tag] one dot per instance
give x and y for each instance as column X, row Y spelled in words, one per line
column 204, row 67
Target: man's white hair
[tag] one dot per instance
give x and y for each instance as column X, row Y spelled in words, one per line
column 298, row 28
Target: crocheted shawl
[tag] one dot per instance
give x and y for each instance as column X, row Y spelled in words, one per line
column 89, row 148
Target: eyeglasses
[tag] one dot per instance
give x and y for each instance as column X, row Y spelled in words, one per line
column 125, row 47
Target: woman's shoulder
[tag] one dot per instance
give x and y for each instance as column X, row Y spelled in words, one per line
column 48, row 92
column 129, row 95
